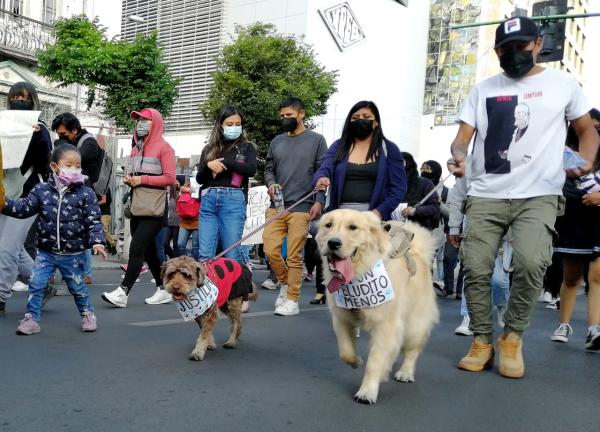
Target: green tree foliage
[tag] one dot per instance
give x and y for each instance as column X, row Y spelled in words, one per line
column 259, row 69
column 124, row 76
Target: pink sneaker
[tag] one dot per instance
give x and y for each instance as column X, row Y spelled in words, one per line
column 28, row 326
column 88, row 322
column 144, row 269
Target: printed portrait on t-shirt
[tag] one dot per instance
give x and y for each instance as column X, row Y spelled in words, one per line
column 502, row 125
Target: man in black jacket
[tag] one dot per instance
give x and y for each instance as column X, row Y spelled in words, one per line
column 69, row 129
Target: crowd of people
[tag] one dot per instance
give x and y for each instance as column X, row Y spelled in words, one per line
column 512, row 225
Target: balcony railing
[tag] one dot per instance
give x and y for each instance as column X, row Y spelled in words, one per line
column 22, row 37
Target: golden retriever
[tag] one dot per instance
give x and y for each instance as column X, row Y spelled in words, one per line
column 182, row 275
column 351, row 243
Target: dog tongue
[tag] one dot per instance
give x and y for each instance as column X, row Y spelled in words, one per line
column 345, row 273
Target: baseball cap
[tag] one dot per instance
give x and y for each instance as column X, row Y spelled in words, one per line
column 145, row 113
column 516, row 29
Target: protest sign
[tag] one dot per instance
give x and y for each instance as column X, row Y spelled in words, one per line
column 372, row 289
column 16, row 129
column 258, row 203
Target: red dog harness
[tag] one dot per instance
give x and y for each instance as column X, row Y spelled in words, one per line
column 224, row 273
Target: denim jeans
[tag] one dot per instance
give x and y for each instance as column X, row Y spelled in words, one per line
column 159, row 241
column 222, row 218
column 72, row 269
column 182, row 241
column 87, row 265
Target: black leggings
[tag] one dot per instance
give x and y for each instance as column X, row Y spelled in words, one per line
column 312, row 259
column 143, row 248
column 172, row 236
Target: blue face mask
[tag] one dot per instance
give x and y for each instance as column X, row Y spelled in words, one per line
column 232, row 132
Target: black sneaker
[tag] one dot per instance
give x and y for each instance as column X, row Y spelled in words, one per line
column 439, row 291
column 2, row 308
column 592, row 342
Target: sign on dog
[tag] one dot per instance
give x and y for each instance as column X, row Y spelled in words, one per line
column 372, row 289
column 198, row 301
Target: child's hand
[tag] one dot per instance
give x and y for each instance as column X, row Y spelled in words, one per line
column 99, row 250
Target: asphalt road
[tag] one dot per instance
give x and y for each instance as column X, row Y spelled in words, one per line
column 133, row 375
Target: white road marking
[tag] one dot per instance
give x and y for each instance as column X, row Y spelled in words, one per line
column 221, row 316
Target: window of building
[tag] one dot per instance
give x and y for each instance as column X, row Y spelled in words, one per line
column 48, row 11
column 13, row 6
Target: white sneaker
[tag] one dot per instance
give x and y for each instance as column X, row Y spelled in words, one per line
column 553, row 304
column 547, row 297
column 561, row 334
column 159, row 297
column 20, row 287
column 123, row 277
column 270, row 284
column 117, row 297
column 287, row 308
column 282, row 296
column 500, row 313
column 463, row 328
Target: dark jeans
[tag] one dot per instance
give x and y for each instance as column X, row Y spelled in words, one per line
column 143, row 248
column 450, row 262
column 172, row 238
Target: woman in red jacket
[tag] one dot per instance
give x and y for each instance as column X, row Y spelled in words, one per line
column 153, row 166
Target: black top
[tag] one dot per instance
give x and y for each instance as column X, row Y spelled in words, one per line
column 359, row 183
column 91, row 157
column 246, row 168
column 37, row 158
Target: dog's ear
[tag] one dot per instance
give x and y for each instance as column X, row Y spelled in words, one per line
column 379, row 235
column 163, row 268
column 199, row 274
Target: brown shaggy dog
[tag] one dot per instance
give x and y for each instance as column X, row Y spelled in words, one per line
column 182, row 275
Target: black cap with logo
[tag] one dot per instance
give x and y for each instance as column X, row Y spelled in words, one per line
column 516, row 29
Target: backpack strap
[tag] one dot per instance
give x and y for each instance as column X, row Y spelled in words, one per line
column 84, row 137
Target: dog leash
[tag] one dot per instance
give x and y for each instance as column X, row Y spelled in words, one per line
column 268, row 222
column 434, row 190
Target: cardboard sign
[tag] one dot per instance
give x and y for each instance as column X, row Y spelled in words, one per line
column 16, row 129
column 258, row 203
column 372, row 289
column 198, row 301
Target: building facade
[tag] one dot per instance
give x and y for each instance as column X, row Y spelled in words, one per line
column 458, row 59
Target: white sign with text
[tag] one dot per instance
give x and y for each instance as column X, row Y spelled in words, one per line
column 16, row 129
column 258, row 203
column 372, row 289
column 198, row 301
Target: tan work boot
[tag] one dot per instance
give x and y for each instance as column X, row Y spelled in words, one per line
column 511, row 357
column 479, row 357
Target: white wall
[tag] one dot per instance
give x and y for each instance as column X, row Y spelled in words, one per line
column 388, row 67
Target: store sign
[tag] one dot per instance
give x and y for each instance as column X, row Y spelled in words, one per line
column 342, row 25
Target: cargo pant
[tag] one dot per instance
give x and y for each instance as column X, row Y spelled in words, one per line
column 532, row 221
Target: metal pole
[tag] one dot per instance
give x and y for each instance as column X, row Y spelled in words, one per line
column 535, row 18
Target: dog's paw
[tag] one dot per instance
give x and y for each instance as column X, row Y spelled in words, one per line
column 194, row 356
column 354, row 362
column 230, row 344
column 365, row 397
column 211, row 347
column 404, row 376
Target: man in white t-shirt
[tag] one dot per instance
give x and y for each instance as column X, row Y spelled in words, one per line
column 516, row 176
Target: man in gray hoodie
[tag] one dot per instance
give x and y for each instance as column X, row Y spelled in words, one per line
column 292, row 159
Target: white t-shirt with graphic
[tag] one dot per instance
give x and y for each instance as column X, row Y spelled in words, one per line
column 520, row 133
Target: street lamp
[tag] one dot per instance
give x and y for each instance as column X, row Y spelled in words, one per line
column 136, row 18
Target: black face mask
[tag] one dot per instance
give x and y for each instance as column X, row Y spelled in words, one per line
column 361, row 128
column 21, row 105
column 517, row 64
column 289, row 124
